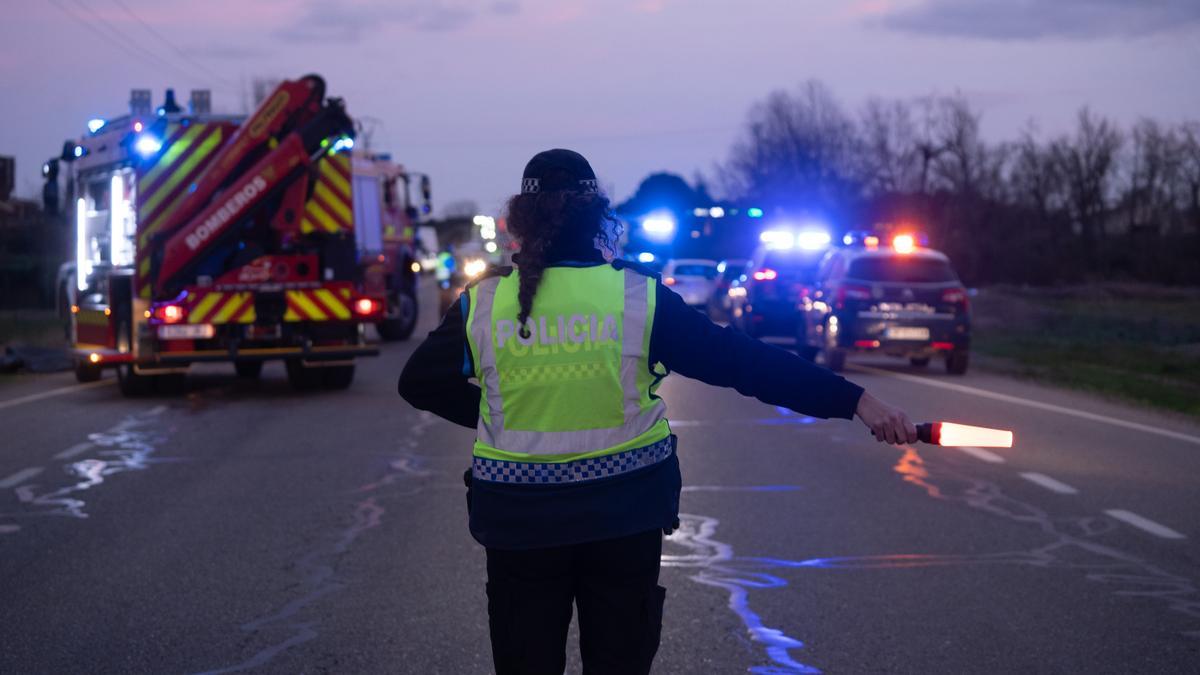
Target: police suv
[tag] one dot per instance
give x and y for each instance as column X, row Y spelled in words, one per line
column 901, row 300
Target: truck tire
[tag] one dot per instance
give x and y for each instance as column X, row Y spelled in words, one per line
column 301, row 377
column 249, row 370
column 132, row 384
column 956, row 362
column 400, row 316
column 337, row 377
column 86, row 371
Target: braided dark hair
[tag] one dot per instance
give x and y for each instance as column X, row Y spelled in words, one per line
column 557, row 224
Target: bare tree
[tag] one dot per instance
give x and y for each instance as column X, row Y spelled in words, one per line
column 889, row 161
column 1153, row 166
column 797, row 148
column 1088, row 162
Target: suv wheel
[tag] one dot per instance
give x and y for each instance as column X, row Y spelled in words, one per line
column 956, row 362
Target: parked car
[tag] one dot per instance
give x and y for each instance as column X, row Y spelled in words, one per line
column 692, row 278
column 720, row 305
column 770, row 299
column 902, row 301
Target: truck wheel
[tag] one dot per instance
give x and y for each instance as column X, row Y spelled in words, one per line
column 835, row 359
column 337, row 377
column 919, row 361
column 301, row 377
column 86, row 371
column 248, row 369
column 400, row 316
column 956, row 362
column 131, row 384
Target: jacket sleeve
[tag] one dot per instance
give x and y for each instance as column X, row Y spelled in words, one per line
column 686, row 342
column 437, row 375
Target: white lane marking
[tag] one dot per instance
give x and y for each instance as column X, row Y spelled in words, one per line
column 53, row 392
column 1049, row 483
column 1144, row 524
column 20, row 477
column 77, row 449
column 1050, row 407
column 985, row 455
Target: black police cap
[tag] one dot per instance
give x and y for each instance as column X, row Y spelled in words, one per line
column 558, row 169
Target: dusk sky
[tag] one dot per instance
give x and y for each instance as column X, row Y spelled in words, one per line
column 468, row 91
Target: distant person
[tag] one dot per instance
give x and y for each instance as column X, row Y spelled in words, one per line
column 575, row 477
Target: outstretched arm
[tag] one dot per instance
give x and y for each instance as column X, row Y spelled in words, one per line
column 687, row 342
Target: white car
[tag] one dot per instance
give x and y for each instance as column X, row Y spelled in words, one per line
column 691, row 278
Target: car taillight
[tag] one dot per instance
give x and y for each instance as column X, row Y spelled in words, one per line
column 955, row 296
column 766, row 274
column 670, row 281
column 851, row 292
column 171, row 313
column 367, row 306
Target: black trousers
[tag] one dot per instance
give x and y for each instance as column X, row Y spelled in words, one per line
column 614, row 583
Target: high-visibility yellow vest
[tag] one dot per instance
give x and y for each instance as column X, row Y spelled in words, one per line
column 574, row 400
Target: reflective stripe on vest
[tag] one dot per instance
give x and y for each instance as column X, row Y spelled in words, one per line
column 577, row 388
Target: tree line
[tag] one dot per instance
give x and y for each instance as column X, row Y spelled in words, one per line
column 1097, row 203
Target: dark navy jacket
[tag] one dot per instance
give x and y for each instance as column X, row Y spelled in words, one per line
column 684, row 341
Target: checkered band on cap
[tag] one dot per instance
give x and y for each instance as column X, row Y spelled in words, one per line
column 501, row 471
column 532, row 185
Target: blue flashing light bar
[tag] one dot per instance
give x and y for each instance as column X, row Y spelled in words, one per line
column 96, row 124
column 754, row 212
column 147, row 145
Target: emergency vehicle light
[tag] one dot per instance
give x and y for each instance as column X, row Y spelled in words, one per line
column 766, row 274
column 366, row 306
column 754, row 212
column 147, row 145
column 813, row 240
column 904, row 243
column 95, row 125
column 777, row 238
column 170, row 313
column 659, row 226
column 645, row 257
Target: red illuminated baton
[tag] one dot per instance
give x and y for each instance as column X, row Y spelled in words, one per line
column 953, row 435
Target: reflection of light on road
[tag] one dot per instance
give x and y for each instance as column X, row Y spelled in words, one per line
column 128, row 446
column 717, row 568
column 1069, row 545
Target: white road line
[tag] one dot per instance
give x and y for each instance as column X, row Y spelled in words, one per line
column 53, row 392
column 985, row 455
column 1137, row 426
column 1144, row 524
column 77, row 449
column 1049, row 483
column 20, row 477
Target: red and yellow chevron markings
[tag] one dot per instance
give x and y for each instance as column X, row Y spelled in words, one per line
column 330, row 208
column 187, row 151
column 221, row 307
column 318, row 304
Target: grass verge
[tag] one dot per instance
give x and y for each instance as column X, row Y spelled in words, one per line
column 1137, row 343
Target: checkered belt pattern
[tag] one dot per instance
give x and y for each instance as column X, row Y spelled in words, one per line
column 501, row 471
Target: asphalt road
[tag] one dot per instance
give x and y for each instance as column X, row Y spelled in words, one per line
column 243, row 527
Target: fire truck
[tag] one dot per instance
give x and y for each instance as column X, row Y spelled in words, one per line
column 214, row 238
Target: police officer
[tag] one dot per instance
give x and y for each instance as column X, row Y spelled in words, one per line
column 574, row 477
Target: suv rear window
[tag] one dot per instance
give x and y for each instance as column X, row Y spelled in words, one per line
column 794, row 268
column 706, row 271
column 901, row 269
